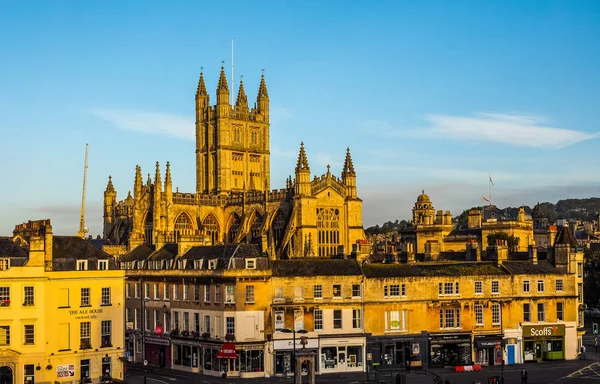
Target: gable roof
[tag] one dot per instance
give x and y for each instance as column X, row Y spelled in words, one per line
column 166, row 252
column 315, row 267
column 74, row 247
column 8, row 248
column 565, row 236
column 139, row 253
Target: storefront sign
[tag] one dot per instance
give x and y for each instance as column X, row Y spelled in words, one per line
column 543, row 330
column 65, row 370
column 289, row 344
column 227, row 351
column 450, row 339
column 416, row 348
column 279, row 320
column 157, row 341
column 86, row 313
column 158, row 330
column 298, row 319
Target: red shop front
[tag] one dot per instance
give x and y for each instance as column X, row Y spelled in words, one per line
column 158, row 350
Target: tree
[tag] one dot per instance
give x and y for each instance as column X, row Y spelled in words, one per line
column 511, row 240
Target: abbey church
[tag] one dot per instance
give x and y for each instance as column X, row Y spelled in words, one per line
column 233, row 202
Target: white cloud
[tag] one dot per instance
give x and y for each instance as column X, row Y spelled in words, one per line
column 181, row 127
column 519, row 130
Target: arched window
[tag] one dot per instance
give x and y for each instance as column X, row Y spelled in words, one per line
column 148, row 228
column 234, row 227
column 279, row 224
column 183, row 225
column 328, row 231
column 211, row 228
column 256, row 225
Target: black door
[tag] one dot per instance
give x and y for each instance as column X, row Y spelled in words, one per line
column 6, row 375
column 161, row 356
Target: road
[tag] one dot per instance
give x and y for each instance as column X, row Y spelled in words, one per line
column 563, row 372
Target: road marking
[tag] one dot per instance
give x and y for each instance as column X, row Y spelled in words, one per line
column 169, row 378
column 160, row 381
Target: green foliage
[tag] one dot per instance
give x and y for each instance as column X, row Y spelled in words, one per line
column 386, row 228
column 511, row 240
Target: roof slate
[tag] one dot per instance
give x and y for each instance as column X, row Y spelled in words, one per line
column 315, row 267
column 528, row 268
column 432, row 269
column 223, row 252
column 139, row 253
column 166, row 252
column 76, row 248
column 565, row 236
column 8, row 248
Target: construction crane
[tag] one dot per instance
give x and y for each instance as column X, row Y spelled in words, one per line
column 82, row 229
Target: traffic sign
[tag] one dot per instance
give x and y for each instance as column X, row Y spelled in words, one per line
column 145, row 363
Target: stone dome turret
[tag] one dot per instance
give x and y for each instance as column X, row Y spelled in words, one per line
column 423, row 198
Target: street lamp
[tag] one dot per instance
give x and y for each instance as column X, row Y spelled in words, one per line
column 143, row 300
column 293, row 332
column 500, row 302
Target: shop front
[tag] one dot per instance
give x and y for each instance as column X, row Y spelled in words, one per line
column 488, row 349
column 251, row 360
column 409, row 351
column 345, row 354
column 158, row 350
column 450, row 349
column 543, row 342
column 284, row 354
column 186, row 355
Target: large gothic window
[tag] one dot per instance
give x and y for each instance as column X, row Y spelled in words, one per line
column 257, row 223
column 148, row 228
column 211, row 228
column 234, row 227
column 328, row 230
column 279, row 228
column 183, row 225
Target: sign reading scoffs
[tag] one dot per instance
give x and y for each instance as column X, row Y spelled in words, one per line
column 546, row 330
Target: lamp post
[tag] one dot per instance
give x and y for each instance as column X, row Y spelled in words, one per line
column 293, row 332
column 500, row 303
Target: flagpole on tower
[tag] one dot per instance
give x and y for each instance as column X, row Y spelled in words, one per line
column 490, row 188
column 232, row 78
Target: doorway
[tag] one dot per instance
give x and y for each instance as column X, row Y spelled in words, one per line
column 6, row 375
column 538, row 351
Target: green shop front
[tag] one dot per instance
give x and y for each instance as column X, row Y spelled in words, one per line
column 543, row 342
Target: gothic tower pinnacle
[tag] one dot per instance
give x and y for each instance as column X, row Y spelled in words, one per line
column 302, row 182
column 242, row 99
column 223, row 88
column 262, row 99
column 348, row 175
column 202, row 98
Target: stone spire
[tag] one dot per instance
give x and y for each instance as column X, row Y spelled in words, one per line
column 149, row 181
column 348, row 166
column 222, row 88
column 263, row 97
column 242, row 99
column 109, row 186
column 157, row 179
column 201, row 86
column 302, row 163
column 202, row 98
column 168, row 175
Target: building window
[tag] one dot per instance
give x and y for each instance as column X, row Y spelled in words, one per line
column 318, row 291
column 318, row 319
column 478, row 287
column 29, row 334
column 138, row 318
column 229, row 294
column 250, row 263
column 279, row 293
column 580, row 292
column 540, row 285
column 147, row 319
column 394, row 290
column 4, row 264
column 217, row 293
column 106, row 296
column 176, row 320
column 560, row 315
column 230, row 325
column 82, row 265
column 496, row 316
column 337, row 319
column 298, row 293
column 84, row 335
column 196, row 293
column 450, row 318
column 175, row 292
column 356, row 318
column 207, row 293
column 448, row 288
column 495, row 287
column 85, row 297
column 102, row 265
column 395, row 321
column 337, row 290
column 146, row 291
column 137, row 290
column 186, row 292
column 212, row 264
column 106, row 329
column 355, row 290
column 156, row 319
column 28, row 295
column 541, row 312
column 128, row 290
column 207, row 324
column 328, row 231
column 559, row 285
column 579, row 269
column 526, row 287
column 526, row 312
column 479, row 314
column 4, row 334
column 156, row 292
column 167, row 322
column 250, row 294
column 166, row 291
column 4, row 296
column 186, row 321
column 197, row 323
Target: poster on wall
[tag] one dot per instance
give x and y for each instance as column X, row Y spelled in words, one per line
column 298, row 319
column 279, row 320
column 67, row 370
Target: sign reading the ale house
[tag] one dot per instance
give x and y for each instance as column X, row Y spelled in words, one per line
column 541, row 331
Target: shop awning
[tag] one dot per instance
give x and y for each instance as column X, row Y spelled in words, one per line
column 227, row 351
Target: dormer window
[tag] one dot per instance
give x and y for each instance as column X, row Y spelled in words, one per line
column 180, row 264
column 212, row 264
column 4, row 264
column 198, row 264
column 250, row 263
column 82, row 265
column 102, row 265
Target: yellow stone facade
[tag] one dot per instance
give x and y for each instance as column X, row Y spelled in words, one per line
column 49, row 332
column 233, row 201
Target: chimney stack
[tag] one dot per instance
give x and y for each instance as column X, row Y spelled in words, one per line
column 533, row 257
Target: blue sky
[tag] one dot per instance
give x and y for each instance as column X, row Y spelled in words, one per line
column 432, row 95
